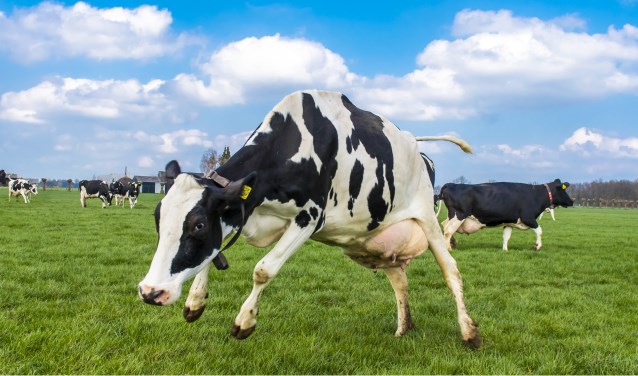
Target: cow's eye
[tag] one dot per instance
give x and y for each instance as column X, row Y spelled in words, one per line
column 199, row 226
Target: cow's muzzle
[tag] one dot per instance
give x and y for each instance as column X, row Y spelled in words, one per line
column 152, row 296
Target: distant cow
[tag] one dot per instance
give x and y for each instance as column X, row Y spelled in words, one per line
column 123, row 190
column 511, row 205
column 22, row 187
column 318, row 167
column 133, row 193
column 94, row 188
column 3, row 177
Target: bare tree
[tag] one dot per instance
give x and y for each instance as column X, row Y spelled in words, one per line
column 212, row 160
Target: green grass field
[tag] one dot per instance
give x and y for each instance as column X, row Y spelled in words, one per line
column 68, row 301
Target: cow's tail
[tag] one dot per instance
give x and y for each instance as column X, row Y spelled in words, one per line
column 461, row 143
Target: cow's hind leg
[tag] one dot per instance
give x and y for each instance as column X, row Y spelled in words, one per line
column 265, row 270
column 449, row 228
column 469, row 331
column 196, row 301
column 399, row 280
column 507, row 233
column 539, row 233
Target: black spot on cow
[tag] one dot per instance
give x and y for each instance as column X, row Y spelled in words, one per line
column 314, row 212
column 302, row 219
column 356, row 178
column 368, row 130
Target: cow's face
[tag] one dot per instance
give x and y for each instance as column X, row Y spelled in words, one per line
column 190, row 230
column 559, row 193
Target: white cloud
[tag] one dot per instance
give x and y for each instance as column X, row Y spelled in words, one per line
column 526, row 156
column 107, row 99
column 173, row 142
column 590, row 142
column 499, row 60
column 253, row 64
column 145, row 161
column 53, row 30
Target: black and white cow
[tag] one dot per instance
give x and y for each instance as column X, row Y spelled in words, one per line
column 117, row 192
column 92, row 189
column 133, row 193
column 21, row 187
column 316, row 168
column 511, row 205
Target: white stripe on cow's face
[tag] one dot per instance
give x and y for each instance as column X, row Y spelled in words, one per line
column 175, row 206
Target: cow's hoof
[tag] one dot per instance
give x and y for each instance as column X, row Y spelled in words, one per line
column 473, row 343
column 239, row 333
column 191, row 316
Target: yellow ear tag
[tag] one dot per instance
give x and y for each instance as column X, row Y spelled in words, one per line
column 245, row 192
column 564, row 187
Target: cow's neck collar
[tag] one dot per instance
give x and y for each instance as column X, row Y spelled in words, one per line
column 218, row 179
column 551, row 198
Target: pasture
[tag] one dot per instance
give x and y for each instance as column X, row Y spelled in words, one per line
column 68, row 301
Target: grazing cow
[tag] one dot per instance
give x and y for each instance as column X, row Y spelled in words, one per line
column 121, row 191
column 511, row 205
column 92, row 189
column 21, row 187
column 316, row 168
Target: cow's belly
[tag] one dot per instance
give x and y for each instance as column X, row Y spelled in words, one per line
column 394, row 246
column 470, row 225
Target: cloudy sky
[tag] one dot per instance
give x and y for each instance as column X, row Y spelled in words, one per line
column 540, row 89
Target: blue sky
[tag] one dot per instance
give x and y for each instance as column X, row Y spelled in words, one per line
column 540, row 89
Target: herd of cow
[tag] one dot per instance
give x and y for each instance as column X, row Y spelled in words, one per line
column 118, row 190
column 318, row 167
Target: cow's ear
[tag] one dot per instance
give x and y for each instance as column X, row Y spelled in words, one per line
column 565, row 185
column 239, row 190
column 171, row 171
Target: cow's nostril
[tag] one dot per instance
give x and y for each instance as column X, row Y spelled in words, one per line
column 151, row 297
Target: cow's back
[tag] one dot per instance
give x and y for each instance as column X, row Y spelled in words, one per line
column 359, row 167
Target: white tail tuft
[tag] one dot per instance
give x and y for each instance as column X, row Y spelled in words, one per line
column 461, row 143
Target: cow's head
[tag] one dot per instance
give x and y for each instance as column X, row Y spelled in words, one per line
column 34, row 189
column 190, row 231
column 559, row 193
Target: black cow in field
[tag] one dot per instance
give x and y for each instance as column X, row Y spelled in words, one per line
column 3, row 178
column 511, row 205
column 92, row 189
column 316, row 168
column 22, row 187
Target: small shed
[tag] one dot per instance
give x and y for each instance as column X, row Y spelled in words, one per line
column 150, row 184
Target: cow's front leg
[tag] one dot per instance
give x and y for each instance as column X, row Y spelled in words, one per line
column 539, row 243
column 265, row 270
column 399, row 280
column 196, row 301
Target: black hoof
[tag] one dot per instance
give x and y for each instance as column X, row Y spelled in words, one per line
column 191, row 316
column 239, row 333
